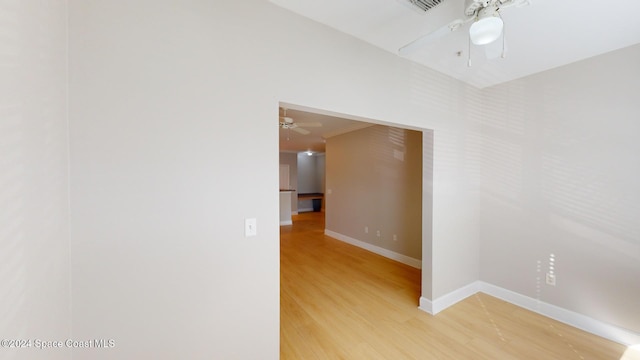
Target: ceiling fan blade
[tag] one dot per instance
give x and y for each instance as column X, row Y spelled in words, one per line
column 301, row 131
column 432, row 36
column 517, row 3
column 309, row 124
column 286, row 119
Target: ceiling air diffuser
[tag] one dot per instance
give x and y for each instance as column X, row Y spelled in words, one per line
column 425, row 5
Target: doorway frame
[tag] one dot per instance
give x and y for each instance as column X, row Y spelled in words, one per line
column 428, row 137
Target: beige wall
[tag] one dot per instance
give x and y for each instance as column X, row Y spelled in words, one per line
column 35, row 277
column 159, row 97
column 160, row 91
column 163, row 93
column 561, row 168
column 375, row 179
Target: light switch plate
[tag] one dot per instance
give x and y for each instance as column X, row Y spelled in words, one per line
column 250, row 227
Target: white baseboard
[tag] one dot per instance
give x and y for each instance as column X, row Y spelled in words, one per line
column 305, row 209
column 426, row 305
column 568, row 317
column 376, row 249
column 443, row 302
column 294, row 213
column 286, row 222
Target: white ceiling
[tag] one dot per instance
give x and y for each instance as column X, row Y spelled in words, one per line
column 292, row 141
column 544, row 35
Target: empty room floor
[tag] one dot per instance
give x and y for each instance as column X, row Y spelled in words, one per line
column 338, row 301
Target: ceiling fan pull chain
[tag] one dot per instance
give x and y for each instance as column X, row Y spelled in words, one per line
column 504, row 35
column 469, row 55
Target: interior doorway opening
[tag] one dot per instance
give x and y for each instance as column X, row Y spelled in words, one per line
column 319, row 266
column 383, row 157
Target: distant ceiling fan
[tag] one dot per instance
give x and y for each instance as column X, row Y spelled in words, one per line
column 486, row 28
column 287, row 123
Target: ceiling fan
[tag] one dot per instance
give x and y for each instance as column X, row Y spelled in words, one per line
column 287, row 123
column 486, row 28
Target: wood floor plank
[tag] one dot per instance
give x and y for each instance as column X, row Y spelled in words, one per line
column 338, row 301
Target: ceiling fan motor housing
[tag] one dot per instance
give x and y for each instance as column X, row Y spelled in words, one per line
column 474, row 7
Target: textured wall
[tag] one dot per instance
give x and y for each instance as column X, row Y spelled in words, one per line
column 560, row 181
column 34, row 198
column 166, row 96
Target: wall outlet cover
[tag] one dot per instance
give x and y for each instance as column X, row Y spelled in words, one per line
column 551, row 279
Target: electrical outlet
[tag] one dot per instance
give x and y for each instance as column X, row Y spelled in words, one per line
column 366, row 229
column 378, row 233
column 395, row 237
column 551, row 279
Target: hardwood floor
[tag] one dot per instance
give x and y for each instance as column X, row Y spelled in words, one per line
column 338, row 301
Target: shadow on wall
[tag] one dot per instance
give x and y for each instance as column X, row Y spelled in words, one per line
column 559, row 196
column 573, row 173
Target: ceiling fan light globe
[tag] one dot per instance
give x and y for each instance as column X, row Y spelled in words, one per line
column 486, row 30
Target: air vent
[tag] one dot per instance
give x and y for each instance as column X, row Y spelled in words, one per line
column 425, row 5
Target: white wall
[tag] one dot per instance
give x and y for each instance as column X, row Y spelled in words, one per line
column 34, row 204
column 455, row 247
column 159, row 95
column 310, row 178
column 291, row 159
column 161, row 91
column 561, row 174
